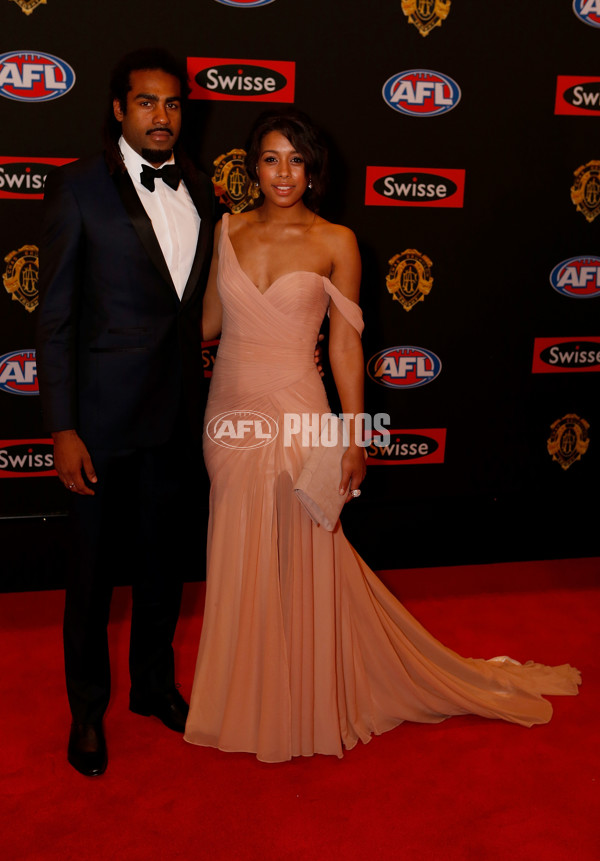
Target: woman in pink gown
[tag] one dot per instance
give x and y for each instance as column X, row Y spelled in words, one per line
column 303, row 650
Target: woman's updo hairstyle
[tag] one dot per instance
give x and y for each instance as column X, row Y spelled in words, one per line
column 306, row 140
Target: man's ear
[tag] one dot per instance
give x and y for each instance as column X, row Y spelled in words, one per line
column 117, row 110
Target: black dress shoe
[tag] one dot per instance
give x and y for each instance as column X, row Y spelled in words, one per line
column 170, row 708
column 87, row 749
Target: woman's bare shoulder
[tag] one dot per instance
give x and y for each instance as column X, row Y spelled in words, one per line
column 339, row 232
column 337, row 236
column 239, row 220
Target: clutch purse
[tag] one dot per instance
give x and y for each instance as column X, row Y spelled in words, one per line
column 317, row 488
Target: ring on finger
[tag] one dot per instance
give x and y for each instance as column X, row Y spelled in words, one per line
column 355, row 493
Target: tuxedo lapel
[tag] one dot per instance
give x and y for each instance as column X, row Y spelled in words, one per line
column 202, row 248
column 142, row 224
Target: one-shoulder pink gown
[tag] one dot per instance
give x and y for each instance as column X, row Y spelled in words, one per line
column 303, row 650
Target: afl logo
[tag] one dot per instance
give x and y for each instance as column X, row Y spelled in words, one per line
column 30, row 76
column 248, row 4
column 421, row 93
column 242, row 429
column 18, row 373
column 404, row 367
column 245, row 3
column 588, row 11
column 577, row 277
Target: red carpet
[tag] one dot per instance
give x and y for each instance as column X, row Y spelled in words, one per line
column 467, row 789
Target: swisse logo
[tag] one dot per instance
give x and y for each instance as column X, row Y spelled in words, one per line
column 403, row 447
column 414, row 187
column 421, row 93
column 404, row 367
column 577, row 277
column 242, row 429
column 588, row 11
column 577, row 96
column 22, row 178
column 30, row 76
column 566, row 355
column 246, row 4
column 241, row 80
column 406, row 186
column 26, row 458
column 250, row 80
column 209, row 354
column 18, row 373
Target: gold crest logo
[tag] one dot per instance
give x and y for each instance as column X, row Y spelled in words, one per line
column 585, row 191
column 409, row 279
column 232, row 183
column 21, row 276
column 426, row 14
column 569, row 439
column 28, row 6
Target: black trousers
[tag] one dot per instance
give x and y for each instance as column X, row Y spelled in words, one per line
column 134, row 514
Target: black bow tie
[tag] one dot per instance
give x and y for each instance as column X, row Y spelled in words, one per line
column 170, row 173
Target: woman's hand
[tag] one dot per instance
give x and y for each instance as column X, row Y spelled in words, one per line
column 354, row 470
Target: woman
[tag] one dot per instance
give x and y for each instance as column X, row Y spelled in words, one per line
column 303, row 650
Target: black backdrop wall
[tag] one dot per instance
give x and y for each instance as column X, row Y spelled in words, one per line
column 469, row 151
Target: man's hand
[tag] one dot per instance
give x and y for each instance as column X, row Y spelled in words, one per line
column 319, row 355
column 73, row 462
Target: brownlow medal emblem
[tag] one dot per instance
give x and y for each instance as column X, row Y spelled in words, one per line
column 21, row 276
column 232, row 183
column 28, row 6
column 585, row 191
column 569, row 440
column 409, row 279
column 426, row 14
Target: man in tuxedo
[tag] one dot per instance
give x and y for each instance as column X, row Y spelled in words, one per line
column 124, row 255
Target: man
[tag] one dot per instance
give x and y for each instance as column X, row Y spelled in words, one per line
column 124, row 257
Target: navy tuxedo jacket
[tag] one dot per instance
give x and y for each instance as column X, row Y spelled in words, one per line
column 119, row 355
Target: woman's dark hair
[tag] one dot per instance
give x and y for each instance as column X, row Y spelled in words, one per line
column 120, row 83
column 306, row 140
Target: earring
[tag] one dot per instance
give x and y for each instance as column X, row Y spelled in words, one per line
column 310, row 183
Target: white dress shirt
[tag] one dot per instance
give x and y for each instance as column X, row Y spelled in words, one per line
column 174, row 218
